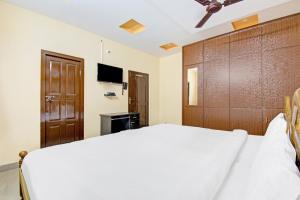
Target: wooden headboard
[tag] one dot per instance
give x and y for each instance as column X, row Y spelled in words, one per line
column 292, row 116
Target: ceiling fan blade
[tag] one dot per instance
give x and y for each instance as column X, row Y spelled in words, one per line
column 203, row 2
column 230, row 2
column 204, row 20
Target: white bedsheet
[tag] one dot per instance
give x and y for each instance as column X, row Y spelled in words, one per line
column 235, row 184
column 163, row 162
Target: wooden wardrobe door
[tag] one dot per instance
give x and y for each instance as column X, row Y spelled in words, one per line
column 216, row 83
column 193, row 115
column 281, row 42
column 193, row 54
column 248, row 119
column 246, row 80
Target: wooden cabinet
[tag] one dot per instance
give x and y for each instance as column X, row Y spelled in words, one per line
column 193, row 60
column 246, row 75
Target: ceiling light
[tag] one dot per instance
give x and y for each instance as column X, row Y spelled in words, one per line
column 246, row 22
column 132, row 26
column 169, row 46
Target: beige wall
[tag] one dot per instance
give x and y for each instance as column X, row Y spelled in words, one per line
column 170, row 92
column 22, row 36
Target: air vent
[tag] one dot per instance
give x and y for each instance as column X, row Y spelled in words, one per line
column 133, row 27
column 246, row 22
column 169, row 46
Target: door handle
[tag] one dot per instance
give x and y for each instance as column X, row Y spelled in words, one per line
column 49, row 98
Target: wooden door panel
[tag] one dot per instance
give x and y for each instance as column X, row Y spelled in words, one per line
column 53, row 133
column 216, row 118
column 268, row 116
column 248, row 119
column 71, row 76
column 216, row 48
column 193, row 54
column 54, row 76
column 138, row 97
column 281, row 33
column 244, row 42
column 216, row 84
column 245, row 68
column 278, row 76
column 245, row 81
column 62, row 99
column 70, row 133
column 193, row 116
column 71, row 109
column 54, row 110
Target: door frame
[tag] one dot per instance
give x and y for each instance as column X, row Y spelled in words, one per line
column 44, row 54
column 147, row 92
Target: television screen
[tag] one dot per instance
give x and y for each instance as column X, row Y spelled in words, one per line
column 110, row 74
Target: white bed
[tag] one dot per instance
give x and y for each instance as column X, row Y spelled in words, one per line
column 165, row 162
column 235, row 184
column 160, row 162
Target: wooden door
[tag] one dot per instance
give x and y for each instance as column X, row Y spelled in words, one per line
column 61, row 99
column 138, row 98
column 192, row 115
column 246, row 80
column 216, row 83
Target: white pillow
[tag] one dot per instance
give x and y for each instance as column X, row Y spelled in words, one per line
column 274, row 175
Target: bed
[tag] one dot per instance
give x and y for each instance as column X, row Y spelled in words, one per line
column 163, row 162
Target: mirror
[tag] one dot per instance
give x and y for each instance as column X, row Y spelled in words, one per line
column 192, row 86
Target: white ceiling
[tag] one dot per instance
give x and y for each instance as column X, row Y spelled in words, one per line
column 165, row 20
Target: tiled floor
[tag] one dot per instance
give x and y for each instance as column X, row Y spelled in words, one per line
column 9, row 185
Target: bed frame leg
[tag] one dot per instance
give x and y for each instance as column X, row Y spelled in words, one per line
column 22, row 155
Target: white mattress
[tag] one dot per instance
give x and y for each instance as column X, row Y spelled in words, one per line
column 164, row 162
column 236, row 182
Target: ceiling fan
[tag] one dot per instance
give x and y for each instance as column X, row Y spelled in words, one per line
column 213, row 6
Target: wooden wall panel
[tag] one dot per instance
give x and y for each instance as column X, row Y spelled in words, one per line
column 246, row 74
column 193, row 54
column 248, row 119
column 281, row 33
column 216, row 48
column 216, row 118
column 193, row 116
column 216, row 72
column 278, row 76
column 245, row 81
column 216, row 83
column 245, row 69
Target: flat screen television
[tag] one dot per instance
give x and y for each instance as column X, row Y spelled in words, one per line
column 110, row 74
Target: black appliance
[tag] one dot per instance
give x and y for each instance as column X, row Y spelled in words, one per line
column 107, row 73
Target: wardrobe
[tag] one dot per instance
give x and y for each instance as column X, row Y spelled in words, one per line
column 238, row 80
